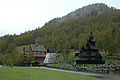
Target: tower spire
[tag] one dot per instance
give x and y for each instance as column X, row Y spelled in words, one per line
column 89, row 54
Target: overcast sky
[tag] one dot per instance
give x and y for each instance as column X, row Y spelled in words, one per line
column 18, row 16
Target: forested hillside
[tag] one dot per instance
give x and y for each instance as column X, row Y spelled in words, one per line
column 72, row 31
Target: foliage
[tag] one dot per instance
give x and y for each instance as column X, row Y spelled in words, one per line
column 70, row 56
column 73, row 33
column 1, row 58
column 3, row 45
column 65, row 53
column 12, row 58
column 23, row 39
column 10, row 48
column 29, row 57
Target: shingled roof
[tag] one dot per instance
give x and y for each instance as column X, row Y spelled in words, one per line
column 35, row 48
column 27, row 48
column 38, row 48
column 89, row 54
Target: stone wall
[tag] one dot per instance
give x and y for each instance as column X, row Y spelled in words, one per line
column 77, row 68
column 111, row 68
column 110, row 57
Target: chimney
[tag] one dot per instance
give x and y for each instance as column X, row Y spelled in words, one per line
column 36, row 44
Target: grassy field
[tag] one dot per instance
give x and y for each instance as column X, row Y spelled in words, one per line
column 38, row 74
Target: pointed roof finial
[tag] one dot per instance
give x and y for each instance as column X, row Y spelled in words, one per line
column 91, row 36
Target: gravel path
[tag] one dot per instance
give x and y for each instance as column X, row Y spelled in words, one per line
column 102, row 77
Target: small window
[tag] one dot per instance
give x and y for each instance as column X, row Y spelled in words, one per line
column 40, row 52
column 43, row 53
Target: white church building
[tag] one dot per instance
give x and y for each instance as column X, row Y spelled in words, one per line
column 50, row 56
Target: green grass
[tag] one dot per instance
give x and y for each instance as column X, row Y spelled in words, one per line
column 38, row 74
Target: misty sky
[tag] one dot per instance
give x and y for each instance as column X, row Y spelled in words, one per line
column 18, row 16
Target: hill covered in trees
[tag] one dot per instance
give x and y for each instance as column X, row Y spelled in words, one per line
column 72, row 30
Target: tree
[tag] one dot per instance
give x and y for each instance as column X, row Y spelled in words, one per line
column 7, row 59
column 108, row 42
column 12, row 58
column 10, row 48
column 65, row 53
column 117, row 40
column 24, row 39
column 1, row 58
column 3, row 45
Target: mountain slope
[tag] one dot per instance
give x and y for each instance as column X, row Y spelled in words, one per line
column 72, row 30
column 84, row 12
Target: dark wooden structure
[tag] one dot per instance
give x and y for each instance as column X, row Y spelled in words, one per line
column 89, row 54
column 50, row 50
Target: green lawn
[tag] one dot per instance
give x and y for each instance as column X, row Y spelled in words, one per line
column 38, row 74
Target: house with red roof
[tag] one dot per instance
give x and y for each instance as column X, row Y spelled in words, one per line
column 38, row 52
